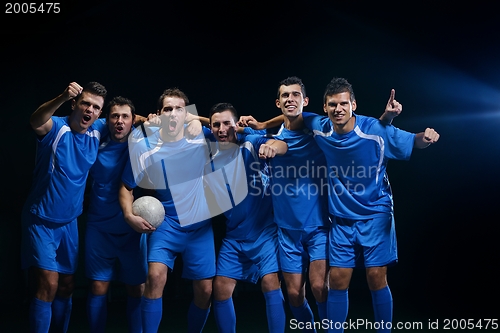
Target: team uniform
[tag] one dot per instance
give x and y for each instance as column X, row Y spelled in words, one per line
column 361, row 203
column 50, row 232
column 113, row 250
column 363, row 232
column 49, row 217
column 298, row 183
column 108, row 237
column 175, row 171
column 249, row 249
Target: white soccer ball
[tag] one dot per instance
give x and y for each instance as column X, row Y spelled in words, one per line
column 150, row 209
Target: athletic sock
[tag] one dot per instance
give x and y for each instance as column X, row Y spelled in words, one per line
column 337, row 308
column 39, row 315
column 97, row 312
column 304, row 315
column 134, row 316
column 382, row 308
column 322, row 310
column 61, row 313
column 225, row 316
column 275, row 311
column 197, row 318
column 151, row 310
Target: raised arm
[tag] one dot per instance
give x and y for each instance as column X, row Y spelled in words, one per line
column 126, row 198
column 40, row 120
column 426, row 138
column 392, row 109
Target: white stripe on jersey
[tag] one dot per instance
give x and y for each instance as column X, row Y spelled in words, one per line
column 380, row 142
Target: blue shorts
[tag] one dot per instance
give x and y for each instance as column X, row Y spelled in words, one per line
column 115, row 256
column 366, row 243
column 249, row 260
column 300, row 247
column 196, row 247
column 48, row 245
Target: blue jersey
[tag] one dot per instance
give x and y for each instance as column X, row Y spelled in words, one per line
column 63, row 160
column 105, row 212
column 357, row 163
column 250, row 216
column 175, row 171
column 299, row 182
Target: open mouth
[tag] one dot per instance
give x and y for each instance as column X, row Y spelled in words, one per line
column 172, row 125
column 119, row 129
column 87, row 118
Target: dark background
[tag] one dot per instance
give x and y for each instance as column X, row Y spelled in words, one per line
column 442, row 60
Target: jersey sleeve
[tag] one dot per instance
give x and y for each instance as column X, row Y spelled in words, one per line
column 398, row 143
column 313, row 121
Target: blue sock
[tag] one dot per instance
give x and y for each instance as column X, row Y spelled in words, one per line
column 97, row 312
column 322, row 310
column 151, row 310
column 61, row 313
column 134, row 314
column 225, row 316
column 304, row 315
column 197, row 318
column 337, row 308
column 275, row 311
column 39, row 316
column 382, row 308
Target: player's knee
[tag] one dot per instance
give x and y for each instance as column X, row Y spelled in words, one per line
column 376, row 278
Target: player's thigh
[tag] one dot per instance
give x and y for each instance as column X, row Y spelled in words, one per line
column 377, row 237
column 293, row 257
column 199, row 255
column 100, row 255
column 133, row 260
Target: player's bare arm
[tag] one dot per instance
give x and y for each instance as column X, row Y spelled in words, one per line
column 250, row 121
column 40, row 120
column 126, row 198
column 272, row 148
column 426, row 138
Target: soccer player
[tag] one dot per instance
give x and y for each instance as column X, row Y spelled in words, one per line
column 300, row 206
column 173, row 166
column 109, row 241
column 249, row 250
column 357, row 149
column 66, row 149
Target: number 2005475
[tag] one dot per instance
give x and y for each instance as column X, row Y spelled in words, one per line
column 32, row 8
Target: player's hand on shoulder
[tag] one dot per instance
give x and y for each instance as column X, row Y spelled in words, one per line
column 248, row 121
column 153, row 119
column 193, row 129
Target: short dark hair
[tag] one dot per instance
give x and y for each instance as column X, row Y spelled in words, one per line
column 221, row 107
column 338, row 85
column 292, row 80
column 95, row 88
column 171, row 92
column 119, row 100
